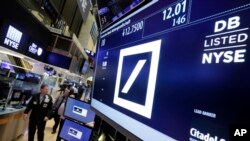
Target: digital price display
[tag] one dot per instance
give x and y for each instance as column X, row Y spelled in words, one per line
column 176, row 70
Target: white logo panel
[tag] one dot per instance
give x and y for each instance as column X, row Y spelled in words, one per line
column 13, row 37
column 144, row 110
column 75, row 133
column 80, row 111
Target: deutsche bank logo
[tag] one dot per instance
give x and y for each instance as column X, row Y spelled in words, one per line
column 13, row 37
column 145, row 108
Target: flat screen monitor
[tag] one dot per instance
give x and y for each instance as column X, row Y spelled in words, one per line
column 50, row 80
column 27, row 94
column 176, row 70
column 16, row 95
column 79, row 110
column 7, row 65
column 72, row 131
column 4, row 72
column 20, row 76
column 33, row 78
column 85, row 67
column 4, row 91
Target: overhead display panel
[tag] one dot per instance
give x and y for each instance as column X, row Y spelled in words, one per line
column 111, row 10
column 176, row 70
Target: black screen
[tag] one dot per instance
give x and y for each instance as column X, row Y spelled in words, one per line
column 16, row 96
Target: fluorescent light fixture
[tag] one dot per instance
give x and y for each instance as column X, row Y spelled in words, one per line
column 12, row 54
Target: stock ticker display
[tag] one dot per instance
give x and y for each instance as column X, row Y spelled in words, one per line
column 177, row 70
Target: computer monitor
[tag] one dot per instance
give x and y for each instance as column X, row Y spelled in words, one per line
column 4, row 72
column 20, row 76
column 85, row 67
column 16, row 95
column 27, row 94
column 78, row 110
column 72, row 131
column 4, row 91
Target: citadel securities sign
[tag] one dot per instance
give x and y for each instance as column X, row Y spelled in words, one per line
column 195, row 133
column 227, row 44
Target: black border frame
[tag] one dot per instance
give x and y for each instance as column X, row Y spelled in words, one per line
column 72, row 119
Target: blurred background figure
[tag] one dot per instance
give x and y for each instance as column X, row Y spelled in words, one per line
column 88, row 88
column 56, row 106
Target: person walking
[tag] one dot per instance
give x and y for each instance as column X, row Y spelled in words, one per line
column 61, row 113
column 41, row 106
column 56, row 106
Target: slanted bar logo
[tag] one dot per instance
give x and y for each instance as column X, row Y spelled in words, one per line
column 142, row 66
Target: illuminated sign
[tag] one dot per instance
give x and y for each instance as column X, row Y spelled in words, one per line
column 142, row 109
column 13, row 37
column 228, row 46
column 204, row 136
column 34, row 49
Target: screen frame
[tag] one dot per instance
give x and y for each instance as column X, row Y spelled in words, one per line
column 78, row 123
column 76, row 119
column 118, row 127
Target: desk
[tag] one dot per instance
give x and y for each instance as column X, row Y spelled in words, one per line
column 12, row 124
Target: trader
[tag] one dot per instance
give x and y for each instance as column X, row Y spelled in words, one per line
column 56, row 106
column 41, row 106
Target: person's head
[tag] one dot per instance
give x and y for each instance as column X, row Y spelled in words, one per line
column 72, row 95
column 66, row 92
column 44, row 89
column 89, row 83
column 71, row 91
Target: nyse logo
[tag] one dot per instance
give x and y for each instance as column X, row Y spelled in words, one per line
column 13, row 37
column 140, row 102
column 75, row 133
column 80, row 111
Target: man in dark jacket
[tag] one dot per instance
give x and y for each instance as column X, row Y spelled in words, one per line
column 41, row 106
column 56, row 106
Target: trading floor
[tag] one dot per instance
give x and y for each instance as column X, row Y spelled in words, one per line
column 47, row 134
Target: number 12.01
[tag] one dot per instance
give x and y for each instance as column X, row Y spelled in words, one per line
column 174, row 10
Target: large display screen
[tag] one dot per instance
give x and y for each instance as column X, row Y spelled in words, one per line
column 72, row 131
column 79, row 110
column 176, row 70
